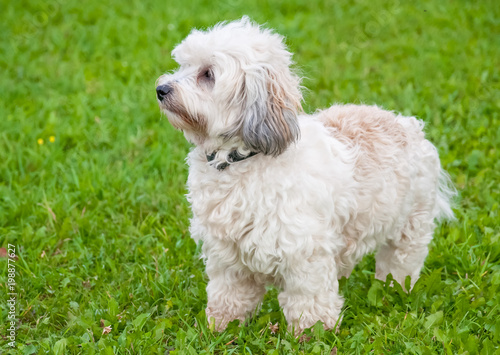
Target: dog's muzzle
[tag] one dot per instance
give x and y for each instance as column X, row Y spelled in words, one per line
column 163, row 90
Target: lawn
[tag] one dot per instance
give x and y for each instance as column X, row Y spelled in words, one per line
column 92, row 176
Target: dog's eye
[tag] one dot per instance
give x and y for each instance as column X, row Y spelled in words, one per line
column 206, row 76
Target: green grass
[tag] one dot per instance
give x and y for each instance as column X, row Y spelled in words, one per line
column 99, row 219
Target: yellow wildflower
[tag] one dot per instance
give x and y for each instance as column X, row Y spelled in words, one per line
column 52, row 139
column 40, row 141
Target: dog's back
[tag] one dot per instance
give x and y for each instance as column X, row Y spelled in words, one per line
column 382, row 138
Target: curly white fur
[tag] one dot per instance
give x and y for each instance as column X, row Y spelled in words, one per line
column 325, row 189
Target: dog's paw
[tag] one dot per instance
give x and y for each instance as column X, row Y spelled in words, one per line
column 218, row 322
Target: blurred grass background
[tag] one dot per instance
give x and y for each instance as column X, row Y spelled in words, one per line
column 98, row 215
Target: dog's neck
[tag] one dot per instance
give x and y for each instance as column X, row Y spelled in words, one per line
column 221, row 152
column 224, row 159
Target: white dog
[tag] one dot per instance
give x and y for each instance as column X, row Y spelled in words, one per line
column 294, row 200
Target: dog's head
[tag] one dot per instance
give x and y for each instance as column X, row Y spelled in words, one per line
column 234, row 84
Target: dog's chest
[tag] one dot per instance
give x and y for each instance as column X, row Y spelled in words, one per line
column 241, row 219
column 260, row 255
column 225, row 204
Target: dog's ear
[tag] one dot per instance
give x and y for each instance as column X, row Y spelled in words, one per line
column 271, row 101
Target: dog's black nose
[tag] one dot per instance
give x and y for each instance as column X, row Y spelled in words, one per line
column 162, row 91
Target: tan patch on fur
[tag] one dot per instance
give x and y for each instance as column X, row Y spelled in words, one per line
column 367, row 127
column 374, row 132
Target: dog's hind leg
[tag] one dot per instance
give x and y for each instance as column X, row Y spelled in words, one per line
column 345, row 271
column 405, row 256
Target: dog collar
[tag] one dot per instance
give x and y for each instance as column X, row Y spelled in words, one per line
column 233, row 157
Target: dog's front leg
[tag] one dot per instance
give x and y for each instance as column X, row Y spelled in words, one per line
column 310, row 294
column 232, row 293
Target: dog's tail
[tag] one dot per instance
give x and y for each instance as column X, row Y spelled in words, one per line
column 445, row 196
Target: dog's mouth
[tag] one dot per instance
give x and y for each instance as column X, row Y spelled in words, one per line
column 167, row 105
column 180, row 118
